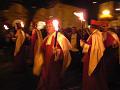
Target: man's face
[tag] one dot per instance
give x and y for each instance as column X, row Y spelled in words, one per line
column 50, row 28
column 74, row 30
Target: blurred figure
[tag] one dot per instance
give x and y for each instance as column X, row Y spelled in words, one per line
column 54, row 60
column 86, row 33
column 93, row 65
column 74, row 39
column 76, row 51
column 19, row 52
column 67, row 32
column 36, row 41
column 110, row 38
column 44, row 32
column 111, row 54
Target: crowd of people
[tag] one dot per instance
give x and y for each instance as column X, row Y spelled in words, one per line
column 51, row 57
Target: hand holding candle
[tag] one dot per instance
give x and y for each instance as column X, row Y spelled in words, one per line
column 55, row 24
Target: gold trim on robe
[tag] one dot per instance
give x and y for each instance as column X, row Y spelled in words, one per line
column 38, row 56
column 65, row 45
column 97, row 50
column 20, row 35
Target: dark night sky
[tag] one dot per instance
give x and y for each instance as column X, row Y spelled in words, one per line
column 45, row 3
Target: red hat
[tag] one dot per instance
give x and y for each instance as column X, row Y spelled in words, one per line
column 49, row 20
column 94, row 22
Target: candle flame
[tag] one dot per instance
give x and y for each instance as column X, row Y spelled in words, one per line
column 55, row 24
column 6, row 27
column 22, row 24
column 80, row 15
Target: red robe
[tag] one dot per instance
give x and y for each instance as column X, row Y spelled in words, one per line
column 33, row 39
column 36, row 41
column 51, row 70
column 19, row 53
column 111, row 56
column 97, row 80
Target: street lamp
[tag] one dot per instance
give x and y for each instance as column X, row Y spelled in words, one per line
column 106, row 14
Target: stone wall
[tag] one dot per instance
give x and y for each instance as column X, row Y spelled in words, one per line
column 61, row 11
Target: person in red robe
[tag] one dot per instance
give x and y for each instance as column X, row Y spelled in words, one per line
column 94, row 77
column 36, row 41
column 19, row 52
column 54, row 60
column 111, row 54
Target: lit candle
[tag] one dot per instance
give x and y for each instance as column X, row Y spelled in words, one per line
column 55, row 24
column 80, row 15
column 22, row 24
column 6, row 27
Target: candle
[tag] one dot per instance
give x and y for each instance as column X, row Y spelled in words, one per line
column 80, row 15
column 55, row 24
column 6, row 27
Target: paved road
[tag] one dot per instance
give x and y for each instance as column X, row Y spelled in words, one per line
column 10, row 80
